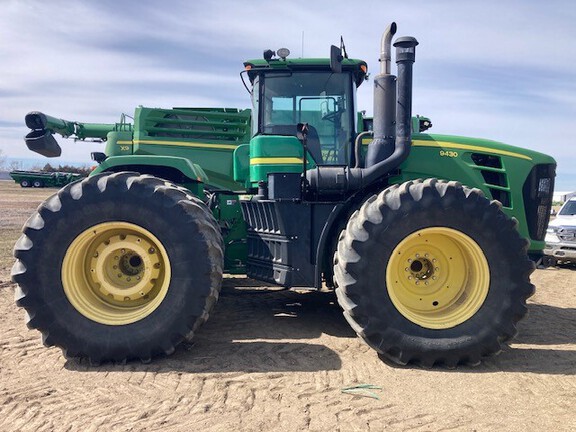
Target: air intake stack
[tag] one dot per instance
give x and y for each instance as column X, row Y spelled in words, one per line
column 405, row 57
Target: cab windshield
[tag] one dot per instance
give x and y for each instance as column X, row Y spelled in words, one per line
column 324, row 100
column 569, row 209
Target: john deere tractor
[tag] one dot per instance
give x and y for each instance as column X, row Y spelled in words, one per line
column 428, row 240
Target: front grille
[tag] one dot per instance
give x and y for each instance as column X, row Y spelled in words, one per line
column 537, row 192
column 566, row 234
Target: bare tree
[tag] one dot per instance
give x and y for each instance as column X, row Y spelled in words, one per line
column 15, row 165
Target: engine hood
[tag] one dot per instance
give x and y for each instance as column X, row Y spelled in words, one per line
column 568, row 220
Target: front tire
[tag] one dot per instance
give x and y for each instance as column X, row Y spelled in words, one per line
column 118, row 266
column 432, row 272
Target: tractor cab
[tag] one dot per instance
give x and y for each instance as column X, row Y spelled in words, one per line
column 288, row 92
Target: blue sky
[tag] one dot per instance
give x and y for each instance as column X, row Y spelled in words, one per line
column 504, row 70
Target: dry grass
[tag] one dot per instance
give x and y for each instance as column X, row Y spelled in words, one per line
column 16, row 204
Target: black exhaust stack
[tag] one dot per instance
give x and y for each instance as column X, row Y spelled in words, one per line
column 392, row 125
column 384, row 124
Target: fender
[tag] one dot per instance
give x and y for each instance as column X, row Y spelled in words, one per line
column 176, row 169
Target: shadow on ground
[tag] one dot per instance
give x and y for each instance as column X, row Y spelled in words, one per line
column 245, row 329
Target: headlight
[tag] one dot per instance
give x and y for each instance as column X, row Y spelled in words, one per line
column 551, row 236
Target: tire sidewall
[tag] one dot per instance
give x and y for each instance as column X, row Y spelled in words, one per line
column 387, row 240
column 376, row 229
column 188, row 255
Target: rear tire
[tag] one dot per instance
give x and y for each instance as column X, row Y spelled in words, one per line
column 37, row 184
column 25, row 184
column 118, row 266
column 432, row 273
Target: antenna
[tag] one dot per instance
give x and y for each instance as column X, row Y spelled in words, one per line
column 343, row 47
column 302, row 44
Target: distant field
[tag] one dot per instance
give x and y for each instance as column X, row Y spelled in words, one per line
column 16, row 204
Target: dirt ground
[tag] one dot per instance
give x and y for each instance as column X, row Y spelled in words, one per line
column 270, row 360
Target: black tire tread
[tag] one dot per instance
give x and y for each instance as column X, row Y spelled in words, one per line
column 29, row 246
column 356, row 294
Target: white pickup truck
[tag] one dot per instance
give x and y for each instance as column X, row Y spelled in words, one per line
column 561, row 236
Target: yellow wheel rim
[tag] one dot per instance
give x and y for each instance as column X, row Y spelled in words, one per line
column 116, row 273
column 437, row 277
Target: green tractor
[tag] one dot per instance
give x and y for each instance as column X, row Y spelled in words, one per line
column 428, row 240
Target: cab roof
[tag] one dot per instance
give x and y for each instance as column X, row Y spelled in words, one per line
column 254, row 67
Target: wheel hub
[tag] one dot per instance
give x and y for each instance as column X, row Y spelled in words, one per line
column 437, row 277
column 421, row 269
column 116, row 273
column 125, row 267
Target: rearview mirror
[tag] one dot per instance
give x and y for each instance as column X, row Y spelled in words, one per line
column 336, row 59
